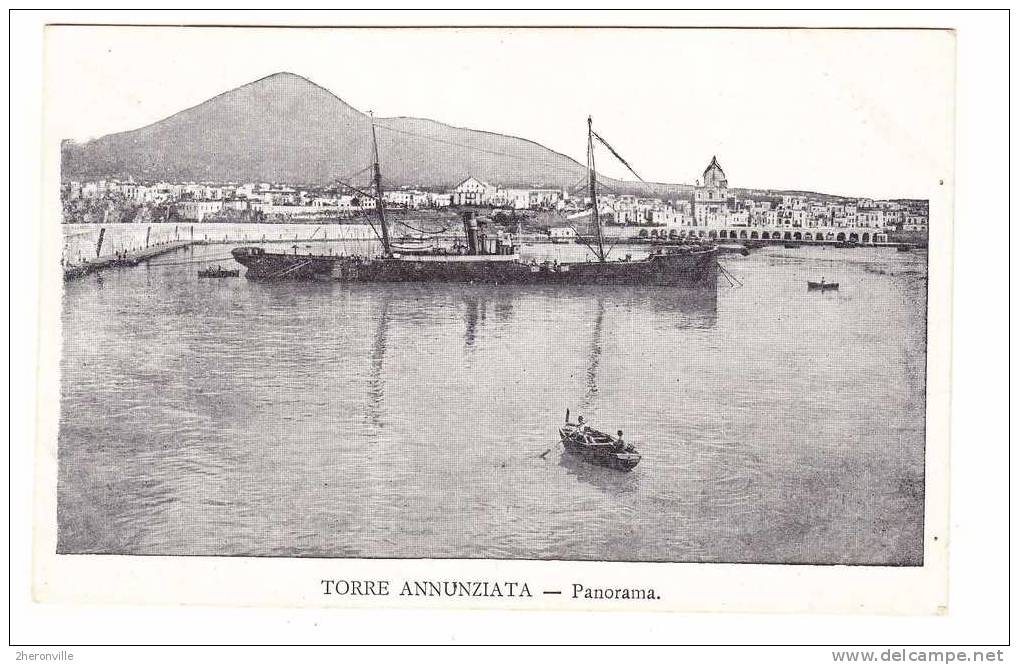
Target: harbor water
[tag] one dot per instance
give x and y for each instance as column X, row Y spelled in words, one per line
column 228, row 417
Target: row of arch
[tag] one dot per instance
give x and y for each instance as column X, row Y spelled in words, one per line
column 819, row 236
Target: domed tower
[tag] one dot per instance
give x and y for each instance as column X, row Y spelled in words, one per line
column 711, row 196
column 714, row 176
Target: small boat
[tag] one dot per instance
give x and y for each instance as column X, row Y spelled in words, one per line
column 75, row 271
column 734, row 248
column 790, row 245
column 822, row 286
column 903, row 248
column 597, row 447
column 218, row 272
column 413, row 247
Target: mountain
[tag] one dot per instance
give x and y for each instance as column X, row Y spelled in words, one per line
column 284, row 128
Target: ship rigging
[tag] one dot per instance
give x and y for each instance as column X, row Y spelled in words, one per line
column 481, row 260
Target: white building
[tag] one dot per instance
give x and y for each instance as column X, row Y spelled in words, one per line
column 871, row 217
column 198, row 210
column 544, row 198
column 440, row 200
column 473, row 192
column 915, row 223
column 794, row 202
column 518, row 199
column 397, row 198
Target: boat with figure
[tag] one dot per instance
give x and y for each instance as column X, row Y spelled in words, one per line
column 822, row 286
column 485, row 257
column 218, row 271
column 597, row 447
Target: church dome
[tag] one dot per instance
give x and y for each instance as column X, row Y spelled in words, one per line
column 714, row 176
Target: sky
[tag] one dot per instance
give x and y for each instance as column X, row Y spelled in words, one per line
column 855, row 112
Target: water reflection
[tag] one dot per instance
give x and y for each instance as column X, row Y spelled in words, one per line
column 376, row 389
column 592, row 365
column 422, row 311
column 474, row 316
column 691, row 307
column 606, row 480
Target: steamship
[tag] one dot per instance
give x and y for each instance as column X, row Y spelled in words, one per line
column 484, row 259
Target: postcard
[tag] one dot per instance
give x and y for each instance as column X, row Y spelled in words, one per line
column 528, row 318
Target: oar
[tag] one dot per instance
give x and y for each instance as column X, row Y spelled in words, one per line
column 544, row 454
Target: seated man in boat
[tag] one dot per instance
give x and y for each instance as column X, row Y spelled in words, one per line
column 623, row 446
column 583, row 429
column 620, row 445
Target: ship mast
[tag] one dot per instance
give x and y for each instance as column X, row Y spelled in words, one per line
column 593, row 183
column 380, row 206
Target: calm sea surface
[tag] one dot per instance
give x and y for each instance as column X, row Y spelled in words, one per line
column 213, row 417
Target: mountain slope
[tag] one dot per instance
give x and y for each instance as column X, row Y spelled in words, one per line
column 284, row 128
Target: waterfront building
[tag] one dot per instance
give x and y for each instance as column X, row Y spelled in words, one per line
column 794, row 201
column 738, row 218
column 846, row 215
column 407, row 198
column 914, row 222
column 437, row 200
column 497, row 198
column 397, row 198
column 767, row 217
column 891, row 206
column 90, row 190
column 871, row 217
column 198, row 210
column 711, row 199
column 283, row 212
column 346, row 202
column 562, row 233
column 544, row 198
column 276, row 196
column 472, row 191
column 518, row 199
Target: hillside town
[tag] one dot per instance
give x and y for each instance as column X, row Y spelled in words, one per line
column 708, row 209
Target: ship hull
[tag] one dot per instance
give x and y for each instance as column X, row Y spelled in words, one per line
column 692, row 267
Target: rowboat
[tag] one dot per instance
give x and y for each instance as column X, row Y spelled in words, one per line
column 413, row 247
column 218, row 272
column 822, row 286
column 734, row 248
column 598, row 447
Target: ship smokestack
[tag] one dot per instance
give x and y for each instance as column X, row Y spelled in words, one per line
column 471, row 229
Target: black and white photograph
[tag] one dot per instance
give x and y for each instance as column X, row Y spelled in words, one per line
column 443, row 294
column 463, row 327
